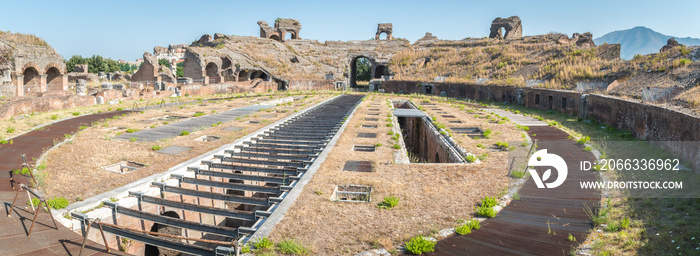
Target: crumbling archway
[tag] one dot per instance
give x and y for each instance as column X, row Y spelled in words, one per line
column 275, row 37
column 379, row 71
column 31, row 76
column 52, row 76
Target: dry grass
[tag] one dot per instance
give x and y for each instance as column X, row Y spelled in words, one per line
column 18, row 38
column 432, row 196
column 80, row 160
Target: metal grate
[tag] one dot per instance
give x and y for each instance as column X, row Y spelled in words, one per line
column 358, row 166
column 365, row 148
column 372, row 113
column 373, row 109
column 371, row 126
column 366, row 135
column 232, row 129
column 455, row 122
column 371, row 119
column 448, row 116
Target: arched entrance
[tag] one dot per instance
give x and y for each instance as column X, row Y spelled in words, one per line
column 31, row 76
column 52, row 75
column 212, row 71
column 360, row 72
column 275, row 37
column 259, row 74
column 379, row 71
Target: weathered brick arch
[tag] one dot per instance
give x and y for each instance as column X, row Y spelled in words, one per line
column 61, row 69
column 31, row 65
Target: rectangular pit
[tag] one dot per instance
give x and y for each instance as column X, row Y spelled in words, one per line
column 424, row 143
column 364, row 148
column 208, row 138
column 123, row 167
column 352, row 193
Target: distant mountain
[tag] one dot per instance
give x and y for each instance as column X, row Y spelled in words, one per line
column 640, row 40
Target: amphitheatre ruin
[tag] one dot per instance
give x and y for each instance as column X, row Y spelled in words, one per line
column 274, row 144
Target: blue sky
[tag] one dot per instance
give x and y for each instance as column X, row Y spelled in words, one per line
column 125, row 29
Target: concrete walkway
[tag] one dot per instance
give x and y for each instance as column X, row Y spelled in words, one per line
column 192, row 124
column 516, row 118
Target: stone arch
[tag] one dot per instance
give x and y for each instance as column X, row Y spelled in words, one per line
column 379, row 70
column 259, row 74
column 53, row 76
column 275, row 37
column 512, row 25
column 30, row 65
column 31, row 75
column 384, row 28
column 353, row 69
column 211, row 70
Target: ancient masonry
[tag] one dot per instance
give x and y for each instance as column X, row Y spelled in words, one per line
column 386, row 28
column 282, row 27
column 512, row 25
column 30, row 69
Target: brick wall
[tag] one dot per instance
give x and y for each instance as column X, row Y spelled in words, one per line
column 644, row 121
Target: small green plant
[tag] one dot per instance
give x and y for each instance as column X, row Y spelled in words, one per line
column 198, row 114
column 156, row 147
column 418, row 245
column 23, row 171
column 480, row 146
column 389, row 202
column 484, row 211
column 516, row 196
column 58, row 203
column 571, row 238
column 82, row 127
column 291, row 247
column 245, row 249
column 3, row 141
column 396, row 146
column 521, row 127
column 184, row 133
column 76, row 113
column 587, row 149
column 613, row 227
column 263, row 243
column 389, row 125
column 378, row 145
column 467, row 228
column 10, row 129
column 470, row 158
column 153, row 126
column 625, row 223
column 489, row 201
column 487, row 133
column 583, row 140
column 518, row 174
column 54, row 117
column 131, row 130
column 502, row 145
column 120, row 109
column 133, row 139
column 318, row 192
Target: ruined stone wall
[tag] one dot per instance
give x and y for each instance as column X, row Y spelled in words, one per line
column 644, row 121
column 42, row 104
column 311, row 85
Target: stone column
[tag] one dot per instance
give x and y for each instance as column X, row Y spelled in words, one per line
column 42, row 83
column 81, row 87
column 206, row 80
column 20, row 86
